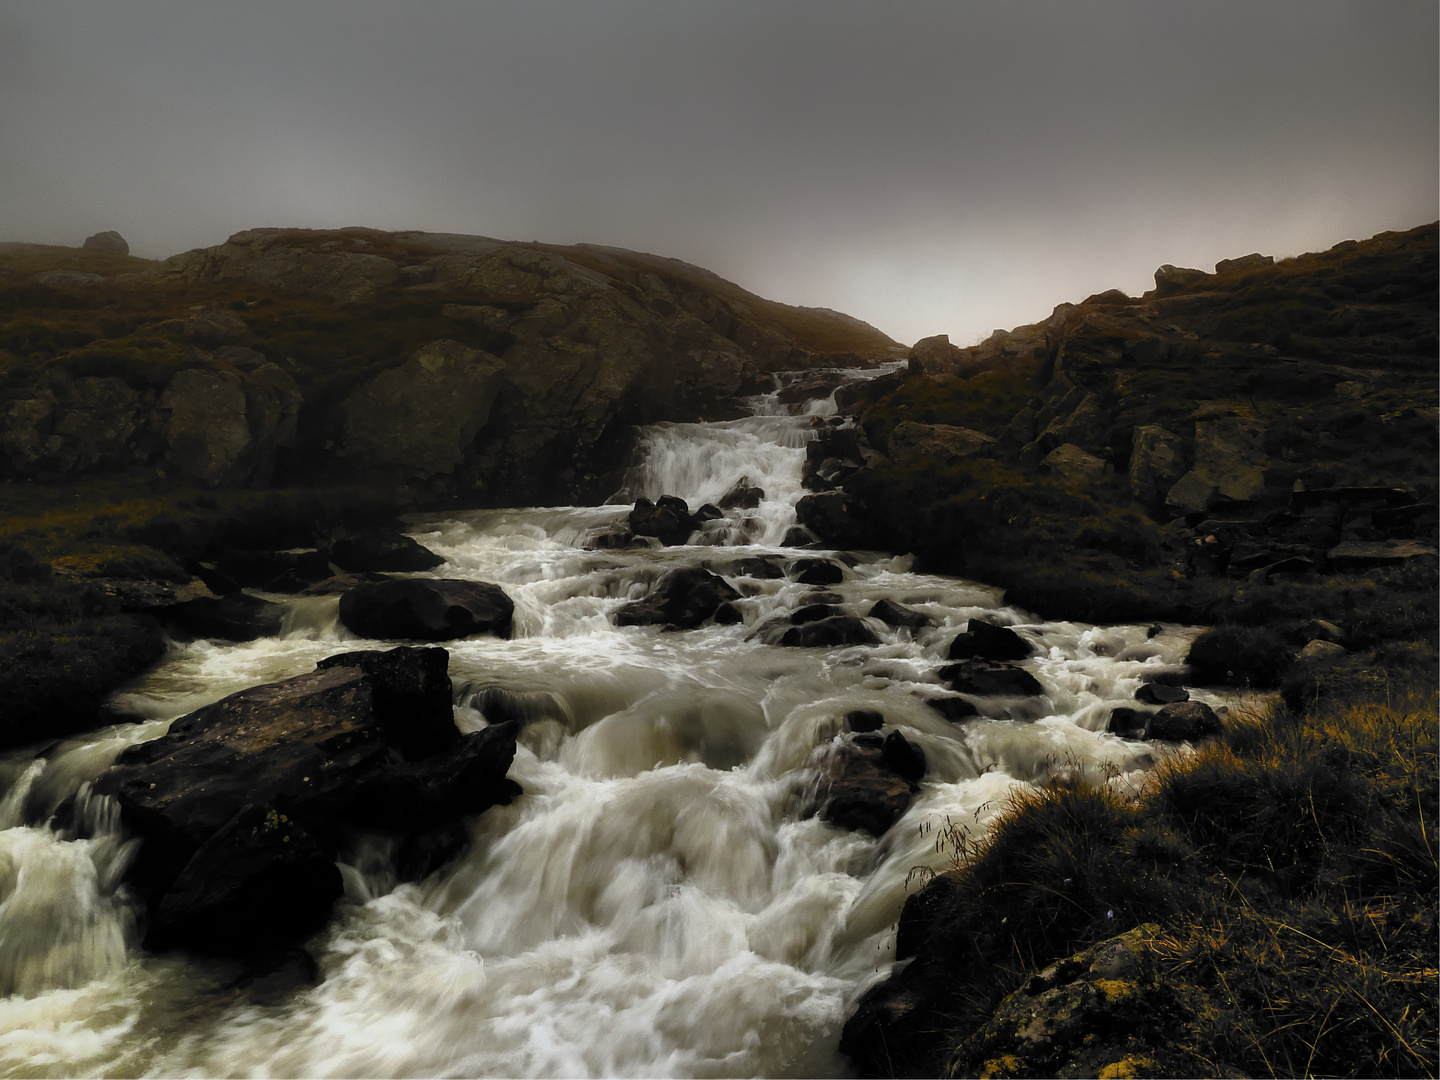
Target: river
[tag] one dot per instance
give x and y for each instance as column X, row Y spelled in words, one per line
column 661, row 901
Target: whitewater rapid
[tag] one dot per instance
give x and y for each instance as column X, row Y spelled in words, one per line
column 661, row 901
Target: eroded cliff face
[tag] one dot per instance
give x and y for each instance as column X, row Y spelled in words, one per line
column 460, row 366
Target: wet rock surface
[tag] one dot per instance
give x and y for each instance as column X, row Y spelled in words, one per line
column 861, row 789
column 680, row 600
column 986, row 678
column 427, row 609
column 241, row 804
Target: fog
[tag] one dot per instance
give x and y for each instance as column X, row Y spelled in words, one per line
column 929, row 167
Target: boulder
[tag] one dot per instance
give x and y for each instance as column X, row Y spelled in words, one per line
column 818, row 572
column 1075, row 468
column 936, row 444
column 436, row 609
column 253, row 568
column 832, row 515
column 1160, row 694
column 375, row 549
column 1128, row 723
column 261, row 879
column 272, row 413
column 1085, row 426
column 110, row 242
column 1170, row 280
column 1187, row 721
column 681, row 600
column 1253, row 261
column 207, row 430
column 905, row 759
column 423, row 416
column 859, row 790
column 1324, row 651
column 813, row 613
column 830, row 632
column 893, row 614
column 952, row 707
column 241, row 804
column 236, row 617
column 410, row 694
column 989, row 641
column 984, row 678
column 1230, row 463
column 744, row 494
column 799, row 536
column 1157, row 460
column 668, row 520
column 936, row 356
column 1191, row 494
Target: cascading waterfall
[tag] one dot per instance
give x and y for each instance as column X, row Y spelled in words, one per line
column 661, row 901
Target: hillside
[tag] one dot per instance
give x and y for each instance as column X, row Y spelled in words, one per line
column 1254, row 449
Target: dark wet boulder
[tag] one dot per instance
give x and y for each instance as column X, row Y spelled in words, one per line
column 865, row 720
column 236, row 617
column 411, row 696
column 953, row 707
column 860, row 790
column 1187, row 721
column 744, row 494
column 707, row 512
column 1160, row 694
column 419, row 796
column 1127, row 722
column 989, row 641
column 668, row 520
column 260, row 881
column 814, row 613
column 799, row 536
column 893, row 614
column 903, row 756
column 818, row 572
column 611, row 541
column 427, row 609
column 728, row 615
column 987, row 677
column 681, row 600
column 240, row 806
column 756, row 566
column 375, row 549
column 830, row 632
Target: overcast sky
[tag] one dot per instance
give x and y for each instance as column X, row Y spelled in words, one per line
column 929, row 167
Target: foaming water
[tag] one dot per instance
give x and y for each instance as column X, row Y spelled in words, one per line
column 662, row 900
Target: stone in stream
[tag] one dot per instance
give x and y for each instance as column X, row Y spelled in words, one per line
column 427, row 609
column 681, row 600
column 813, row 613
column 893, row 614
column 375, row 549
column 668, row 520
column 236, row 617
column 743, row 495
column 989, row 641
column 904, row 757
column 412, row 696
column 988, row 677
column 831, row 631
column 241, row 804
column 1186, row 721
column 864, row 720
column 1160, row 694
column 952, row 707
column 818, row 572
column 862, row 791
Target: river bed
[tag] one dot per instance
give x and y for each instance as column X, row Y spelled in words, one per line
column 662, row 900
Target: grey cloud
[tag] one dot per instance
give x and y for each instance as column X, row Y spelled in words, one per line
column 931, row 167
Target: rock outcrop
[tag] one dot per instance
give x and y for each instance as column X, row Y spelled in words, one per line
column 427, row 609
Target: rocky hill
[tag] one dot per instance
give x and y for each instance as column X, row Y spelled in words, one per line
column 1212, row 451
column 460, row 366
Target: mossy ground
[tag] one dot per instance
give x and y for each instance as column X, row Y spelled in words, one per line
column 64, row 643
column 1292, row 869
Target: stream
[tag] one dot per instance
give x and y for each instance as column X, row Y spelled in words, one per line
column 662, row 900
